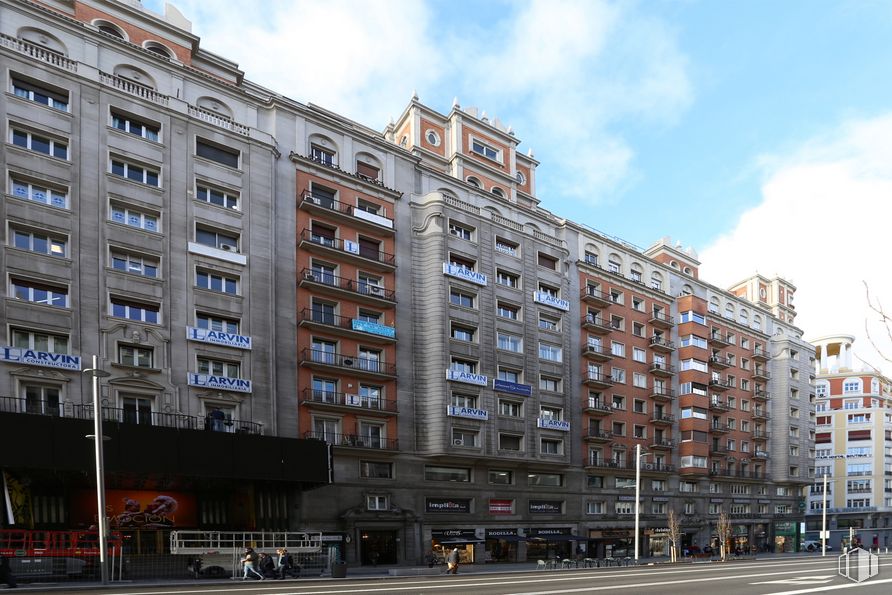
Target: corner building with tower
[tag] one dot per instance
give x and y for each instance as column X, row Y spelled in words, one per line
column 464, row 367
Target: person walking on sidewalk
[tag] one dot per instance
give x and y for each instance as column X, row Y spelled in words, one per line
column 452, row 562
column 249, row 560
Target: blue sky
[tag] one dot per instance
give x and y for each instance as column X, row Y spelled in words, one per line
column 757, row 132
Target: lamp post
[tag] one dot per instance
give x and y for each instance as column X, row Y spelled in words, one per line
column 824, row 520
column 98, row 438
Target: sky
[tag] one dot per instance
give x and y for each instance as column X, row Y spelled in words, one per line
column 757, row 132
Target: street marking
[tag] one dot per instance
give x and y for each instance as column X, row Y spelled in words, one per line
column 863, row 585
column 800, row 580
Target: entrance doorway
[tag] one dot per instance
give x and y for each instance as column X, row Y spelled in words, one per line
column 378, row 547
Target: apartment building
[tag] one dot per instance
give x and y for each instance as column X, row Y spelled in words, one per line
column 478, row 371
column 854, row 427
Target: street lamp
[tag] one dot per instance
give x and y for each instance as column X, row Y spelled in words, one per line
column 824, row 520
column 98, row 438
column 638, row 455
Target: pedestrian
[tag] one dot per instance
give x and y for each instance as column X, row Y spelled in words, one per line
column 452, row 562
column 6, row 573
column 267, row 565
column 249, row 560
column 283, row 563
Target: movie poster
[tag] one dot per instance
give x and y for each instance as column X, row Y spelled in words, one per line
column 137, row 509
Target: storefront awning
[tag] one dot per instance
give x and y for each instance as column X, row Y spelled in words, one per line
column 459, row 541
column 568, row 537
column 509, row 538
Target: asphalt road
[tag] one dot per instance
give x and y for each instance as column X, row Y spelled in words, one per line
column 783, row 576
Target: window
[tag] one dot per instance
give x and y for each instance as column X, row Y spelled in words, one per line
column 617, row 322
column 499, row 477
column 617, row 349
column 367, row 171
column 39, row 193
column 222, row 155
column 134, row 264
column 460, row 230
column 214, row 196
column 549, row 323
column 43, row 400
column 507, row 279
column 509, row 342
column 321, row 155
column 133, row 218
column 136, row 173
column 551, row 446
column 463, row 333
column 618, row 375
column 623, row 507
column 134, row 126
column 693, row 364
column 463, row 400
column 137, row 410
column 436, row 473
column 639, row 355
column 510, row 442
column 638, row 329
column 637, row 303
column 133, row 355
column 554, row 413
column 134, row 311
column 38, row 242
column 550, row 384
column 639, row 406
column 216, row 239
column 464, row 437
column 691, row 316
column 216, row 323
column 546, row 261
column 510, row 408
column 461, row 298
column 509, row 375
column 594, row 507
column 693, row 341
column 555, row 480
column 508, row 311
column 25, row 339
column 487, row 151
column 551, row 353
column 463, row 365
column 39, row 93
column 377, row 503
column 507, row 246
column 614, row 266
column 39, row 144
column 618, row 402
column 851, row 386
column 217, row 367
column 215, row 282
column 639, row 380
column 432, row 137
column 39, row 293
column 369, row 359
column 375, row 470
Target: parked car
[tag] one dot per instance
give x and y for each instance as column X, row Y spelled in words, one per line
column 813, row 545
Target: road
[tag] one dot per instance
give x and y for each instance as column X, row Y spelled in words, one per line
column 783, row 576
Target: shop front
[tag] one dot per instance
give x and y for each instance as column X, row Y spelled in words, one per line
column 502, row 545
column 444, row 541
column 547, row 543
column 610, row 543
column 785, row 536
column 740, row 539
column 656, row 542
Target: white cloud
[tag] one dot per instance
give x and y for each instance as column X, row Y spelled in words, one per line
column 823, row 224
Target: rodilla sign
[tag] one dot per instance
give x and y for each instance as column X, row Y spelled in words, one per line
column 31, row 357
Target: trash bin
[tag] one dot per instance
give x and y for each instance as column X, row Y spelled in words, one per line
column 338, row 570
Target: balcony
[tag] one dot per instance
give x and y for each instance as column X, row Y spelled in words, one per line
column 334, row 401
column 737, row 473
column 761, row 395
column 596, row 297
column 719, row 428
column 598, row 436
column 128, row 416
column 346, row 212
column 351, row 288
column 596, row 324
column 346, row 250
column 719, row 362
column 716, row 404
column 760, row 373
column 598, row 353
column 37, row 52
column 759, row 413
column 346, row 326
column 760, row 435
column 761, row 354
column 719, row 339
column 608, row 464
column 662, row 345
column 598, row 408
column 718, row 450
column 657, row 468
column 354, row 440
column 717, row 384
column 760, row 454
column 316, row 358
column 662, row 445
column 660, row 320
column 664, row 419
column 598, row 380
column 662, row 369
column 658, row 393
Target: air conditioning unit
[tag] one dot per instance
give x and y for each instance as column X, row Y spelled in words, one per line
column 353, row 400
column 312, row 199
column 227, row 247
column 376, row 290
column 310, row 276
column 458, row 442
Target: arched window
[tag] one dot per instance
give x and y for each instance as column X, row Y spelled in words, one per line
column 474, row 182
column 656, row 281
column 110, row 28
column 212, row 104
column 714, row 307
column 743, row 316
column 615, row 264
column 159, row 49
column 687, row 289
column 757, row 322
column 42, row 39
column 135, row 75
column 729, row 311
column 498, row 192
column 323, row 150
column 636, row 273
